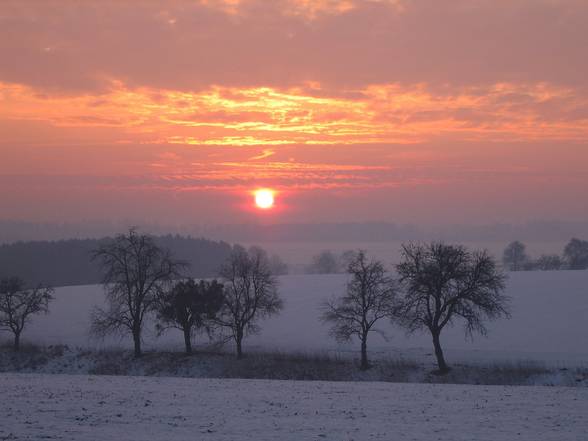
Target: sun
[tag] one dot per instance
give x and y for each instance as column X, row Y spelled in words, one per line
column 264, row 198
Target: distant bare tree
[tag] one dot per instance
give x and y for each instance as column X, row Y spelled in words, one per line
column 277, row 266
column 515, row 256
column 370, row 297
column 346, row 257
column 576, row 254
column 189, row 307
column 326, row 262
column 136, row 272
column 250, row 293
column 442, row 283
column 18, row 304
column 549, row 262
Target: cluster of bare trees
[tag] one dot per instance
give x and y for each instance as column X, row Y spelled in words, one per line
column 574, row 257
column 327, row 262
column 436, row 285
column 140, row 279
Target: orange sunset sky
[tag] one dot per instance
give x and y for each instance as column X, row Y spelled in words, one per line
column 424, row 111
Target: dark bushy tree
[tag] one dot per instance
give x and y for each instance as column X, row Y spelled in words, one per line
column 515, row 257
column 369, row 297
column 250, row 293
column 18, row 304
column 576, row 254
column 189, row 307
column 444, row 283
column 136, row 272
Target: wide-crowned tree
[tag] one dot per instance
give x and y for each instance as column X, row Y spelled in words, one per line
column 443, row 284
column 250, row 293
column 136, row 273
column 18, row 304
column 189, row 307
column 369, row 297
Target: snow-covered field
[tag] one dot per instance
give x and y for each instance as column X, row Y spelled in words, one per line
column 548, row 324
column 130, row 408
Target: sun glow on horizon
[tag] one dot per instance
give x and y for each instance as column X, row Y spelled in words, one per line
column 264, row 198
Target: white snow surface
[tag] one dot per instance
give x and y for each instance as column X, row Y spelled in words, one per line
column 548, row 323
column 86, row 408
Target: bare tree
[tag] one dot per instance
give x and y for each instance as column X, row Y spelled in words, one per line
column 576, row 254
column 250, row 293
column 136, row 271
column 346, row 257
column 18, row 304
column 189, row 307
column 442, row 283
column 326, row 262
column 515, row 256
column 370, row 296
column 277, row 266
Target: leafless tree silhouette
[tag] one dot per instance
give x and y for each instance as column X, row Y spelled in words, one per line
column 370, row 297
column 515, row 256
column 136, row 272
column 18, row 304
column 250, row 293
column 443, row 283
column 576, row 254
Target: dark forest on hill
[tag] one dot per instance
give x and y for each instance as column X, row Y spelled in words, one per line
column 68, row 262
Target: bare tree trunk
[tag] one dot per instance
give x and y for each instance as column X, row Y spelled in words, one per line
column 137, row 341
column 16, row 341
column 239, row 341
column 443, row 368
column 364, row 358
column 187, row 340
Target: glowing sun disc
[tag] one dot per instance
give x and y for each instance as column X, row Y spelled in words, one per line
column 264, row 198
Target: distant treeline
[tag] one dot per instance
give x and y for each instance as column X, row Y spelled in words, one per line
column 574, row 257
column 11, row 231
column 68, row 262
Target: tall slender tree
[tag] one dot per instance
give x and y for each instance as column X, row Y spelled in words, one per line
column 250, row 294
column 369, row 297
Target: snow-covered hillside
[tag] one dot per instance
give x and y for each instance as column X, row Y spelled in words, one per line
column 84, row 408
column 548, row 323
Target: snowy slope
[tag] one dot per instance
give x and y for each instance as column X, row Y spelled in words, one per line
column 85, row 408
column 549, row 312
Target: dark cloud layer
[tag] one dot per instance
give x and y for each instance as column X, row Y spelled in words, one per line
column 185, row 45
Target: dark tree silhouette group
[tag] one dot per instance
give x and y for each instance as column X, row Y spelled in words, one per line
column 434, row 286
column 574, row 257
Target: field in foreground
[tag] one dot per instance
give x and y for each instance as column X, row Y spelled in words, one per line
column 130, row 408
